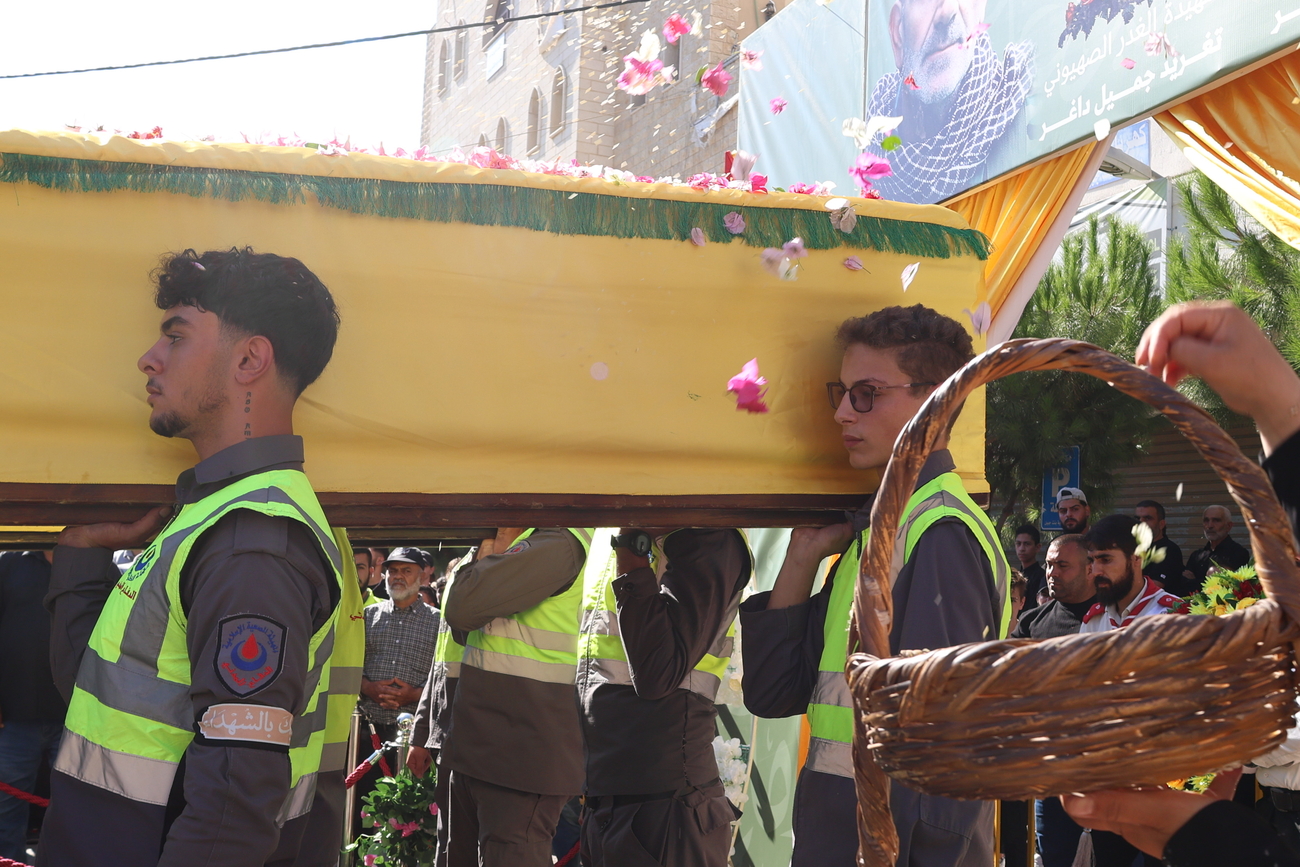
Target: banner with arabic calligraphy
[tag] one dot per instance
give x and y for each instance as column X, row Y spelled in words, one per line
column 983, row 86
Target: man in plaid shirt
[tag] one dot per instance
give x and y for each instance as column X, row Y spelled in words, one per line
column 401, row 633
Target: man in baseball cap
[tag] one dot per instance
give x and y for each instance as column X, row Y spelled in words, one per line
column 1072, row 506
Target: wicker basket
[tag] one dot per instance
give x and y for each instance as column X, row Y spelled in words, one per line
column 1164, row 698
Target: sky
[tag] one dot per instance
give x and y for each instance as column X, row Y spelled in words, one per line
column 371, row 92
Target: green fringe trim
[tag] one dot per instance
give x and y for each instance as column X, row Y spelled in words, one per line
column 500, row 205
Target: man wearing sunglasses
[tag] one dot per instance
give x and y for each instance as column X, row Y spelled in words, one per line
column 954, row 587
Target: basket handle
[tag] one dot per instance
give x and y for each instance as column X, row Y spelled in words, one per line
column 1270, row 531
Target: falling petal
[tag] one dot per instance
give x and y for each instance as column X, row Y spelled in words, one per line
column 844, row 219
column 1178, row 493
column 794, row 248
column 735, row 222
column 600, row 371
column 853, row 263
column 717, row 80
column 980, row 30
column 675, row 27
column 909, row 274
column 697, row 237
column 910, row 81
column 778, row 105
column 1128, row 63
column 981, row 318
column 749, row 387
column 751, row 60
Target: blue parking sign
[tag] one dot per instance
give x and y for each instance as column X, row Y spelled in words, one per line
column 1062, row 475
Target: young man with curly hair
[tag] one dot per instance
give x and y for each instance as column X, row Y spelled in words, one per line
column 954, row 587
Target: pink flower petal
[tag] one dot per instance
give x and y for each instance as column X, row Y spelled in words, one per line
column 749, row 387
column 868, row 168
column 981, row 319
column 716, row 80
column 778, row 105
column 751, row 60
column 1128, row 63
column 853, row 263
column 735, row 222
column 697, row 237
column 433, row 809
column 794, row 249
column 675, row 27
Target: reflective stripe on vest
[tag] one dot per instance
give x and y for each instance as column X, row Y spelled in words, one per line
column 602, row 658
column 830, row 713
column 129, row 721
column 345, row 664
column 447, row 652
column 540, row 643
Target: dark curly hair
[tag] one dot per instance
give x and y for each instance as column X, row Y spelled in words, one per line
column 931, row 347
column 258, row 294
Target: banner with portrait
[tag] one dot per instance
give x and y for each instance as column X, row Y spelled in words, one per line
column 981, row 87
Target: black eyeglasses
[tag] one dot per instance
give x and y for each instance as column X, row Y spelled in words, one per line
column 862, row 395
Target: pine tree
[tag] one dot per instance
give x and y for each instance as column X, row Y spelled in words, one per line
column 1101, row 290
column 1227, row 255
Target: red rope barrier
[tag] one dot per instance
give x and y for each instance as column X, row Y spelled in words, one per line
column 22, row 796
column 378, row 747
column 572, row 853
column 5, row 862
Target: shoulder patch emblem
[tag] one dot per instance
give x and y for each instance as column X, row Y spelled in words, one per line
column 517, row 547
column 250, row 653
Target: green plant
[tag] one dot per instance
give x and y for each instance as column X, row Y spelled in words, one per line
column 402, row 812
column 1227, row 255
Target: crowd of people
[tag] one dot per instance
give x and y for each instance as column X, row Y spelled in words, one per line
column 562, row 680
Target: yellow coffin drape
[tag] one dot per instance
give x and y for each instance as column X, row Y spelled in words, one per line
column 1017, row 212
column 1243, row 136
column 472, row 358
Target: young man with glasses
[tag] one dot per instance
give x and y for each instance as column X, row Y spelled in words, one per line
column 954, row 587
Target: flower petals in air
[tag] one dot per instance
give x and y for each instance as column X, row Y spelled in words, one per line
column 1128, row 63
column 868, row 168
column 716, row 80
column 778, row 105
column 749, row 387
column 794, row 248
column 751, row 60
column 909, row 274
column 735, row 222
column 697, row 237
column 675, row 27
column 981, row 319
column 910, row 81
column 1159, row 44
column 779, row 264
column 844, row 219
column 853, row 263
column 742, row 164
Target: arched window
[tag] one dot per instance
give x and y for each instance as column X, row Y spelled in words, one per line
column 444, row 68
column 462, row 46
column 482, row 140
column 558, row 98
column 498, row 13
column 534, row 122
column 502, row 136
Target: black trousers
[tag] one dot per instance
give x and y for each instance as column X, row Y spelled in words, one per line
column 691, row 828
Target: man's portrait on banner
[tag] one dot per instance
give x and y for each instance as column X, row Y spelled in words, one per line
column 959, row 97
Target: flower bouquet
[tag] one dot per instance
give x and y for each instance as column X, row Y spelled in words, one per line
column 405, row 819
column 1223, row 592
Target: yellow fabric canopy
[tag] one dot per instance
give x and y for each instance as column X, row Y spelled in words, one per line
column 477, row 354
column 1242, row 135
column 1017, row 213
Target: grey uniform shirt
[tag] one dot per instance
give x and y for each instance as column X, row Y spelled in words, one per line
column 944, row 595
column 514, row 731
column 654, row 737
column 226, row 796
